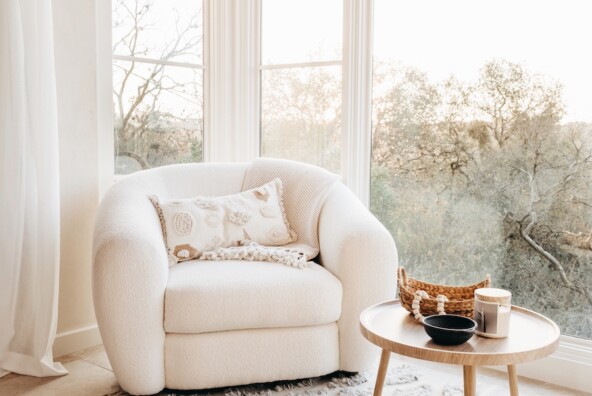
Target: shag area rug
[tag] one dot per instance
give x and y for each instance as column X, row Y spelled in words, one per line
column 403, row 379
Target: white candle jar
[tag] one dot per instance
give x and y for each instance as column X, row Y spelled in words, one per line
column 492, row 312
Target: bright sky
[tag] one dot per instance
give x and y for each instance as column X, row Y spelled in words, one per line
column 293, row 30
column 552, row 37
column 160, row 25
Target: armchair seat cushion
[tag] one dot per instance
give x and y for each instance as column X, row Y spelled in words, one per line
column 209, row 296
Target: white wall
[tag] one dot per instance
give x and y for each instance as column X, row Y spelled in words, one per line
column 75, row 56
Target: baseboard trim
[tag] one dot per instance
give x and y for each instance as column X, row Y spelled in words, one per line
column 76, row 340
column 570, row 366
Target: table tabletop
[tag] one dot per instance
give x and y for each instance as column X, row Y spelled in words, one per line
column 391, row 327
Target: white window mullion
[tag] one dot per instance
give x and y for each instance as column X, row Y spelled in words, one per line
column 357, row 97
column 216, row 129
column 247, row 144
column 232, row 80
column 152, row 61
column 301, row 65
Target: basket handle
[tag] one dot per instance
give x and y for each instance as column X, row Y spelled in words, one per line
column 402, row 276
column 419, row 296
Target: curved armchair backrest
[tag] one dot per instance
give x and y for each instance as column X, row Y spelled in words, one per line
column 187, row 180
column 126, row 211
column 305, row 188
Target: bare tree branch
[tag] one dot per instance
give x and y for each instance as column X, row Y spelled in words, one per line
column 578, row 288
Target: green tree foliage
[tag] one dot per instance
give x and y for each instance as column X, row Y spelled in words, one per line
column 470, row 177
column 301, row 115
column 484, row 178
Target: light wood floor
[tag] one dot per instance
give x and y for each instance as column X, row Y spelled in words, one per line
column 91, row 375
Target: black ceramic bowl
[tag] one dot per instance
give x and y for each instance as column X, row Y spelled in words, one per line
column 449, row 329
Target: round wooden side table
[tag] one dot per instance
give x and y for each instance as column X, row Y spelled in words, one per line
column 389, row 326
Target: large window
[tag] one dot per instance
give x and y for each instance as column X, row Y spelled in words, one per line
column 482, row 147
column 481, row 121
column 157, row 82
column 301, row 54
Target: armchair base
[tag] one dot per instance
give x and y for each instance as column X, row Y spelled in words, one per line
column 211, row 360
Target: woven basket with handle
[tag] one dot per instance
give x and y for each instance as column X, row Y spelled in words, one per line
column 460, row 298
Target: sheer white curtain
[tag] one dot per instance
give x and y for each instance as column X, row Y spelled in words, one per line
column 29, row 189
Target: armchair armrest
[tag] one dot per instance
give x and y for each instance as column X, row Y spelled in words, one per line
column 130, row 272
column 361, row 253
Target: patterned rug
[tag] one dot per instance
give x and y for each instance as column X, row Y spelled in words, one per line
column 403, row 379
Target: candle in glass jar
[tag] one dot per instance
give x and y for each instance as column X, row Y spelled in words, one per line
column 492, row 312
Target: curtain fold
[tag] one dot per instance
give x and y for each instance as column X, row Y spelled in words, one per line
column 29, row 190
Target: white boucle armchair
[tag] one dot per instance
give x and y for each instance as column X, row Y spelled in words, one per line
column 206, row 324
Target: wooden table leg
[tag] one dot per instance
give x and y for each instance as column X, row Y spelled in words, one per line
column 381, row 376
column 470, row 380
column 513, row 377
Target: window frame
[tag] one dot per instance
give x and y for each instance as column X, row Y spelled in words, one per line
column 147, row 61
column 232, row 80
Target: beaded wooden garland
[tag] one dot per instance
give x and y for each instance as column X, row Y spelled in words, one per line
column 420, row 295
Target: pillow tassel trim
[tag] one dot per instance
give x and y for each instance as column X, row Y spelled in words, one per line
column 280, row 188
column 154, row 200
column 256, row 252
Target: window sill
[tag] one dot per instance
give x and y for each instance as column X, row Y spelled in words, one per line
column 570, row 366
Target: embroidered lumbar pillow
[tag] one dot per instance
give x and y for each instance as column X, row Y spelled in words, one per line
column 197, row 225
